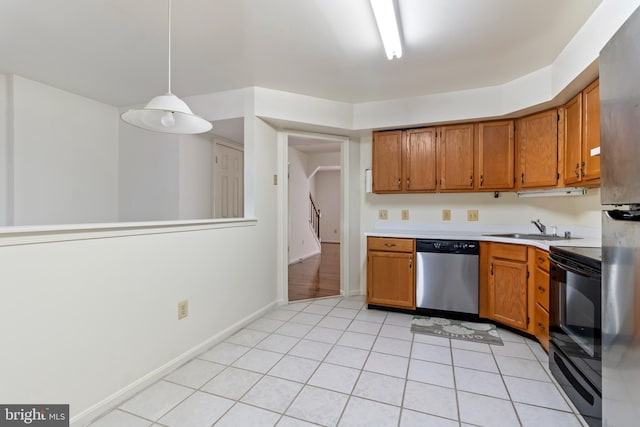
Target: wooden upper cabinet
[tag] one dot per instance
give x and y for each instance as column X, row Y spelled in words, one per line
column 419, row 162
column 455, row 158
column 573, row 141
column 537, row 147
column 581, row 134
column 387, row 161
column 495, row 155
column 591, row 130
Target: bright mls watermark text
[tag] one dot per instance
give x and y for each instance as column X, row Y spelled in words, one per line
column 34, row 415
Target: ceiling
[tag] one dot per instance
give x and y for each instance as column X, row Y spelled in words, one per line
column 312, row 145
column 115, row 51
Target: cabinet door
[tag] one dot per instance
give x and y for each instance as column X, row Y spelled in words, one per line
column 508, row 292
column 541, row 327
column 455, row 148
column 419, row 161
column 387, row 161
column 591, row 131
column 573, row 141
column 496, row 155
column 390, row 279
column 537, row 137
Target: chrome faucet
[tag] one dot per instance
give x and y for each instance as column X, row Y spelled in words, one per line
column 540, row 226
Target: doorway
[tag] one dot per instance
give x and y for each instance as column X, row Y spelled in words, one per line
column 315, row 264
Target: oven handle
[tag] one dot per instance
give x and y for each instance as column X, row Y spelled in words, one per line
column 573, row 380
column 582, row 271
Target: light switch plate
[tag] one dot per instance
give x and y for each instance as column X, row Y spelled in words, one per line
column 472, row 215
column 404, row 214
column 446, row 214
column 383, row 214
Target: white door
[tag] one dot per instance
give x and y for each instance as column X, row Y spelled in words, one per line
column 228, row 182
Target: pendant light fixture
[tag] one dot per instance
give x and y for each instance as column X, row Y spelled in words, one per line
column 167, row 113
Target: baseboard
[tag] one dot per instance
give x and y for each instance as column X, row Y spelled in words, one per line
column 304, row 257
column 117, row 398
column 355, row 292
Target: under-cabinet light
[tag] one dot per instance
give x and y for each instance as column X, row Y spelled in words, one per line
column 553, row 192
column 385, row 13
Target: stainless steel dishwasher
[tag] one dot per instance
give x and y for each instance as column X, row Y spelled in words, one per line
column 447, row 275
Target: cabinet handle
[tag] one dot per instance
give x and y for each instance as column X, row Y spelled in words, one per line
column 408, row 183
column 541, row 259
column 390, row 245
column 410, row 262
column 471, row 181
column 582, row 169
column 541, row 326
column 577, row 170
column 522, row 178
column 399, row 183
column 541, row 289
column 491, row 269
column 481, row 180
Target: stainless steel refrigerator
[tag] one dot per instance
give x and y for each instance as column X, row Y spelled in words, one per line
column 620, row 165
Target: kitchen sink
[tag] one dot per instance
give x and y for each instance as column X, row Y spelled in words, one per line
column 531, row 236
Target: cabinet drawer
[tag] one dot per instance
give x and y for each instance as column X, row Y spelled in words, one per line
column 542, row 260
column 541, row 326
column 509, row 251
column 542, row 288
column 390, row 244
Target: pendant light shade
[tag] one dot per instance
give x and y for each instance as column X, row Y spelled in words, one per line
column 167, row 113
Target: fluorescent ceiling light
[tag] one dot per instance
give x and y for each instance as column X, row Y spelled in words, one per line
column 167, row 113
column 385, row 13
column 553, row 192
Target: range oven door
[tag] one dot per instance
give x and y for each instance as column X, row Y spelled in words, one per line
column 584, row 396
column 575, row 329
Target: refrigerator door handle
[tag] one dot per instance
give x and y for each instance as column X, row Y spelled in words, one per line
column 618, row 215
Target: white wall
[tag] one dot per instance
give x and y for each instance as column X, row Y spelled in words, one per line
column 317, row 160
column 149, row 181
column 5, row 166
column 65, row 157
column 92, row 318
column 196, row 177
column 302, row 241
column 328, row 200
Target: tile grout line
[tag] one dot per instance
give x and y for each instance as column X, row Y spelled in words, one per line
column 331, row 347
column 455, row 383
column 513, row 405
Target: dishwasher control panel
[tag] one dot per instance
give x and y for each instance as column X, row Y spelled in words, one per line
column 448, row 246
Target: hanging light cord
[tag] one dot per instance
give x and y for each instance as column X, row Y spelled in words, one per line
column 169, row 65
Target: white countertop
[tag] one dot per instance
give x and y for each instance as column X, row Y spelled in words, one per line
column 581, row 236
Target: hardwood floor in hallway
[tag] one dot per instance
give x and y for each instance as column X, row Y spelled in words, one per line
column 318, row 276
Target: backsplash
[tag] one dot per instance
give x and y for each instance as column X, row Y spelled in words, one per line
column 506, row 210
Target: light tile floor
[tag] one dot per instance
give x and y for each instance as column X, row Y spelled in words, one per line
column 334, row 362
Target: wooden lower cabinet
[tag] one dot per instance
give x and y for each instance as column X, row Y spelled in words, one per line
column 541, row 291
column 514, row 287
column 541, row 326
column 391, row 272
column 504, row 284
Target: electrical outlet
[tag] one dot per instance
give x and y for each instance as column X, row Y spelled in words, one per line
column 404, row 213
column 446, row 214
column 383, row 214
column 275, row 179
column 183, row 309
column 472, row 215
